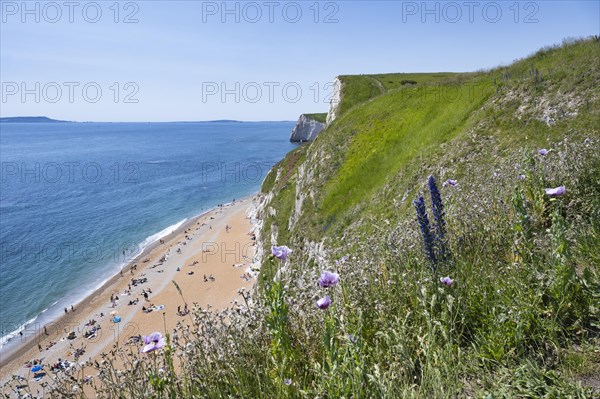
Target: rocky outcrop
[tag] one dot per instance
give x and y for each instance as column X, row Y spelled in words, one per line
column 306, row 129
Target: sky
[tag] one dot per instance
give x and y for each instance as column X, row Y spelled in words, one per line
column 250, row 60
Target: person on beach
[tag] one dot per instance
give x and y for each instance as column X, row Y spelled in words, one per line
column 66, row 311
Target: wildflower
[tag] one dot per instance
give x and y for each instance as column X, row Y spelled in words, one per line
column 153, row 341
column 447, row 280
column 496, row 174
column 556, row 192
column 450, row 182
column 353, row 338
column 324, row 303
column 328, row 279
column 281, row 252
column 543, row 151
column 438, row 216
column 425, row 230
column 586, row 141
column 520, row 177
column 287, row 381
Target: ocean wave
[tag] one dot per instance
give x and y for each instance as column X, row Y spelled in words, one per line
column 157, row 161
column 155, row 237
column 5, row 339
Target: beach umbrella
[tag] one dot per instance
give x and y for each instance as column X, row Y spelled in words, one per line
column 37, row 367
column 117, row 319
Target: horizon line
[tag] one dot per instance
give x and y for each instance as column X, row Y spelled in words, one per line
column 4, row 118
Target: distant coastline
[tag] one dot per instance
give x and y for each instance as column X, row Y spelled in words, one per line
column 45, row 119
column 31, row 119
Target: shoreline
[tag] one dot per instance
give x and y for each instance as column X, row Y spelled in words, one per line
column 56, row 327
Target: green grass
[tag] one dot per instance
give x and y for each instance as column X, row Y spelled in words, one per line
column 393, row 130
column 358, row 89
column 322, row 117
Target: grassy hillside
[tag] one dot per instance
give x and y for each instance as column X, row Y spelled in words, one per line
column 358, row 89
column 351, row 193
column 375, row 145
column 317, row 117
column 495, row 295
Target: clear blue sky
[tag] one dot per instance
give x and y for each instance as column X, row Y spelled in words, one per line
column 263, row 60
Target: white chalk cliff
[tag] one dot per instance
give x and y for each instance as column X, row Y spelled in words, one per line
column 306, row 129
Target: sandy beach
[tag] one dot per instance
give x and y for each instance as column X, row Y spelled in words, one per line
column 209, row 257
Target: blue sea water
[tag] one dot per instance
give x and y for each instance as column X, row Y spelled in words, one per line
column 78, row 200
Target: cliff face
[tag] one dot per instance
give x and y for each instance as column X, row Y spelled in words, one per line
column 336, row 99
column 306, row 129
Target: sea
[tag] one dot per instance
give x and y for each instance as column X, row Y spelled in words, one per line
column 78, row 201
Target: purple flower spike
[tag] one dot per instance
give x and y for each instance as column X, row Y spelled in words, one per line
column 328, row 279
column 556, row 192
column 543, row 151
column 450, row 182
column 153, row 342
column 281, row 252
column 324, row 303
column 287, row 381
column 447, row 281
column 353, row 338
column 520, row 177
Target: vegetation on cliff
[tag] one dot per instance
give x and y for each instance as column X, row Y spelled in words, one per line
column 525, row 265
column 317, row 117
